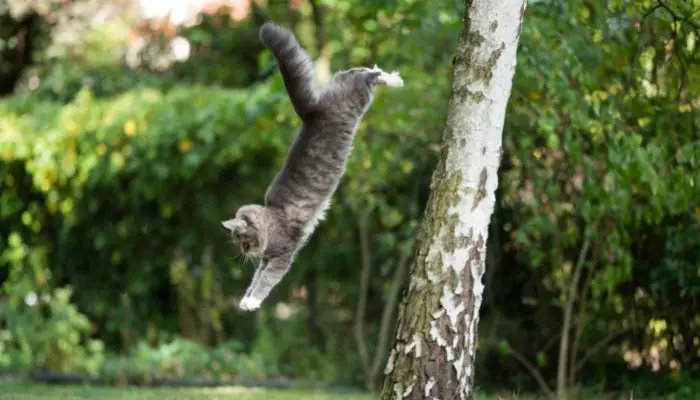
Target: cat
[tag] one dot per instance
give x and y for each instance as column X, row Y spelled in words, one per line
column 300, row 194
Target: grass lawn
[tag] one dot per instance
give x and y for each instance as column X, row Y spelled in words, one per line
column 23, row 390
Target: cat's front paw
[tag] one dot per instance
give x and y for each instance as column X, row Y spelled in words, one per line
column 249, row 303
column 392, row 80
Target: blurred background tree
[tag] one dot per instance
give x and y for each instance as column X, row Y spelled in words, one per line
column 128, row 130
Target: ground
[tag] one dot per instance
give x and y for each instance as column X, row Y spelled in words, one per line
column 23, row 390
column 19, row 390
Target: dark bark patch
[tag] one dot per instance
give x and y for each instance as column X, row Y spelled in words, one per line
column 464, row 94
column 486, row 72
column 480, row 189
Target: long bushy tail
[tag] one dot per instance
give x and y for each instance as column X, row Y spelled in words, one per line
column 296, row 66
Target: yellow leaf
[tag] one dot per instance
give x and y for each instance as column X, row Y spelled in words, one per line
column 167, row 210
column 73, row 127
column 69, row 160
column 597, row 36
column 9, row 180
column 52, row 204
column 66, row 206
column 45, row 184
column 130, row 128
column 101, row 149
column 117, row 159
column 644, row 121
column 184, row 145
column 40, row 277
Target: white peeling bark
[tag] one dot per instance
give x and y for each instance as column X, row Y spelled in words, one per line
column 434, row 350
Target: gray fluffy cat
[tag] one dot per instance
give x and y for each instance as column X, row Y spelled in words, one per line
column 301, row 192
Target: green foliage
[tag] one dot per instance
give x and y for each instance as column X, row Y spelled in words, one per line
column 601, row 147
column 97, row 186
column 49, row 334
column 64, row 81
column 184, row 359
column 42, row 327
column 217, row 38
column 113, row 182
column 138, row 143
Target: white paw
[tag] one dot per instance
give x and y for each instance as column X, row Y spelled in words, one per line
column 249, row 303
column 393, row 79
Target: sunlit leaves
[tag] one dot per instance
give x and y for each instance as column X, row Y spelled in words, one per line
column 597, row 134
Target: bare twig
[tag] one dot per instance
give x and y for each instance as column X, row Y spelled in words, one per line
column 323, row 66
column 566, row 324
column 597, row 347
column 579, row 327
column 535, row 374
column 364, row 287
column 677, row 17
column 318, row 13
column 530, row 368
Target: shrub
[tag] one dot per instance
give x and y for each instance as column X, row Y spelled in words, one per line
column 124, row 196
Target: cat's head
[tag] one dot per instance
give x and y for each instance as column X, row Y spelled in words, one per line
column 249, row 229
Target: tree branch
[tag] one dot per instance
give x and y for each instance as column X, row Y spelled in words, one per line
column 317, row 14
column 597, row 347
column 366, row 259
column 566, row 324
column 323, row 62
column 529, row 367
column 579, row 328
column 535, row 373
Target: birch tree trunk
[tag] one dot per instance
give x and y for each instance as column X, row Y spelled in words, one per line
column 435, row 343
